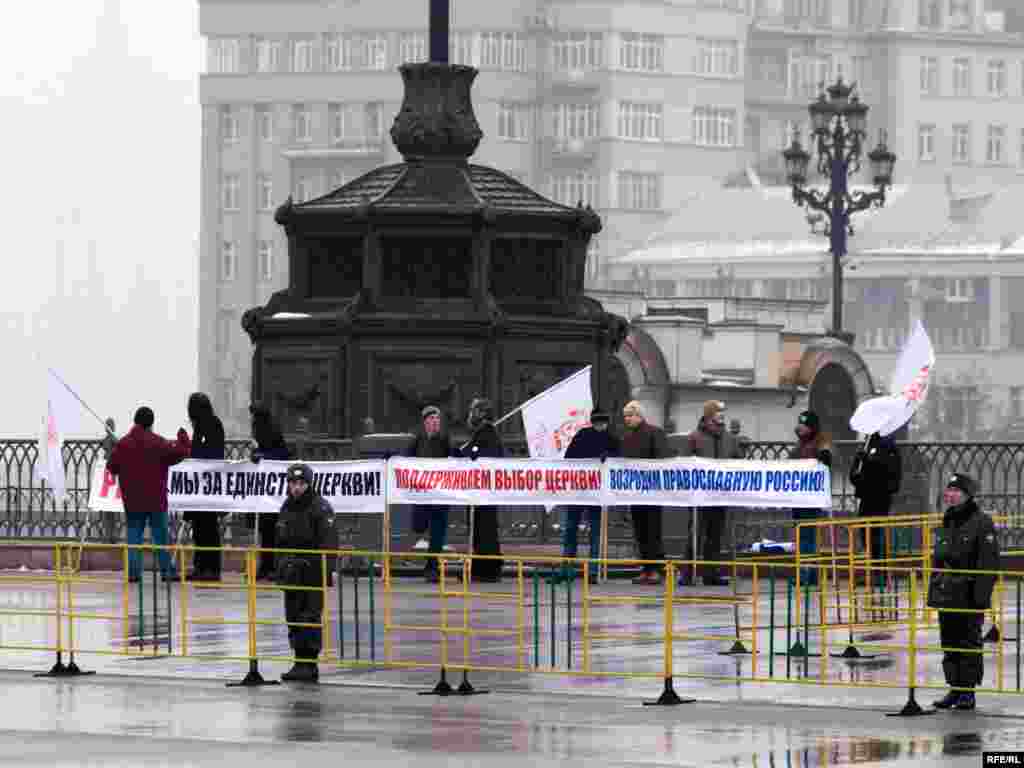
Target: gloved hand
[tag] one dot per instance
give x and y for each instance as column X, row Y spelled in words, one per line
column 255, row 456
column 604, row 457
column 182, row 434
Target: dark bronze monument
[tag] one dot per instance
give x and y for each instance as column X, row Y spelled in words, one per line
column 428, row 281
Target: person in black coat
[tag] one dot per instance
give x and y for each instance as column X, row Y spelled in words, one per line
column 967, row 541
column 876, row 475
column 484, row 443
column 207, row 443
column 431, row 442
column 270, row 445
column 593, row 442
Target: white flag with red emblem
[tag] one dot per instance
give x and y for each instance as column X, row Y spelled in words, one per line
column 554, row 416
column 61, row 414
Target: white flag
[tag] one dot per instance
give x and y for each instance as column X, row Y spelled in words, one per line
column 554, row 416
column 908, row 389
column 61, row 410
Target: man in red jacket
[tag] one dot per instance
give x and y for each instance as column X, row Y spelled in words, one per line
column 140, row 460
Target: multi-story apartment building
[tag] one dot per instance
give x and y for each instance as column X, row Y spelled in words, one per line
column 943, row 78
column 617, row 104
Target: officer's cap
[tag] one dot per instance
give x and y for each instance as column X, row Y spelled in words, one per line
column 300, row 472
column 964, row 482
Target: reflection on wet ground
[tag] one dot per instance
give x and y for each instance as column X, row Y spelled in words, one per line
column 131, row 705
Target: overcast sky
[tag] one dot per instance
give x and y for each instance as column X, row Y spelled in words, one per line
column 101, row 124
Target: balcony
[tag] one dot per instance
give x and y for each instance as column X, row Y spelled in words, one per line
column 370, row 147
column 565, row 150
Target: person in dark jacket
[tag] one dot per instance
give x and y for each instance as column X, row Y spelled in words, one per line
column 711, row 441
column 140, row 461
column 431, row 442
column 305, row 522
column 484, row 443
column 592, row 442
column 645, row 441
column 876, row 475
column 814, row 444
column 967, row 541
column 270, row 445
column 207, row 443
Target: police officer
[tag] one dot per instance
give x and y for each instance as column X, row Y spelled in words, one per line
column 305, row 522
column 966, row 541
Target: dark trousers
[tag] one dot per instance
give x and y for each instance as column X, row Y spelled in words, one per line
column 808, row 544
column 711, row 523
column 876, row 508
column 268, row 540
column 304, row 607
column 485, row 542
column 206, row 533
column 961, row 630
column 434, row 519
column 647, row 531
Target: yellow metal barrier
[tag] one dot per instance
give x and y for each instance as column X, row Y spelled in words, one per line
column 487, row 617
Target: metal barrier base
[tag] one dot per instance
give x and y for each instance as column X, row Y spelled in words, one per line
column 738, row 649
column 911, row 708
column 253, row 678
column 669, row 697
column 444, row 688
column 852, row 654
column 60, row 670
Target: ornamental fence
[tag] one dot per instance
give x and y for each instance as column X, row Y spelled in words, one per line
column 28, row 512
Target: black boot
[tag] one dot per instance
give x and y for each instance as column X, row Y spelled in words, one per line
column 302, row 672
column 965, row 701
column 948, row 701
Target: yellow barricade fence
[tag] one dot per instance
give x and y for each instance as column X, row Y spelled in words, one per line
column 604, row 630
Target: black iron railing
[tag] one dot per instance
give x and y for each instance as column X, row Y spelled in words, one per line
column 27, row 509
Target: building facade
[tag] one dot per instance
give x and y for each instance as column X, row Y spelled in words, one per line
column 614, row 104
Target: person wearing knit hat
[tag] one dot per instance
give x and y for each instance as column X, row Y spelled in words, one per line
column 967, row 541
column 431, row 442
column 814, row 444
column 710, row 440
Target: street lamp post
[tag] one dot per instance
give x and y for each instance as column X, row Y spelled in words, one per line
column 838, row 126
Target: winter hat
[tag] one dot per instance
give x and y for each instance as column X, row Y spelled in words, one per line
column 809, row 419
column 144, row 417
column 430, row 410
column 712, row 409
column 964, row 482
column 301, row 472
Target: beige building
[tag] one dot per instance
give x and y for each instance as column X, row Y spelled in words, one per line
column 617, row 104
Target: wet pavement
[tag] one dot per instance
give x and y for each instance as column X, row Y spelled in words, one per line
column 162, row 709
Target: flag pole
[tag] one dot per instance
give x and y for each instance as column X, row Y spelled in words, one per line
column 82, row 402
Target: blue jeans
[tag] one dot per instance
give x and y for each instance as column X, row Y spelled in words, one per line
column 808, row 543
column 570, row 532
column 158, row 532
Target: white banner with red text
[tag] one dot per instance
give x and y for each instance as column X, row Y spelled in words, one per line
column 240, row 486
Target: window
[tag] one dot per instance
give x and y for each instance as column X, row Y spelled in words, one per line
column 995, row 147
column 639, row 191
column 1016, row 403
column 577, row 51
column 225, row 329
column 302, row 55
column 572, row 188
column 997, row 78
column 265, row 260
column 929, row 14
column 594, row 259
column 229, row 124
column 304, row 189
column 807, row 73
column 642, row 53
column 228, row 261
column 337, row 179
column 929, row 76
column 575, row 121
column 640, row 121
column 503, row 50
column 265, row 193
column 959, row 289
column 460, row 48
column 229, row 187
column 961, row 143
column 227, row 396
column 1020, row 158
column 717, row 57
column 960, row 14
column 513, row 122
column 359, row 122
column 268, row 55
column 412, row 47
column 814, row 11
column 302, row 123
column 962, row 77
column 714, row 127
column 926, row 143
column 265, row 122
column 223, row 56
column 357, row 51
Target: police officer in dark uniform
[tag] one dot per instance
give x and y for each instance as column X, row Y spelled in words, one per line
column 966, row 541
column 485, row 443
column 305, row 522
